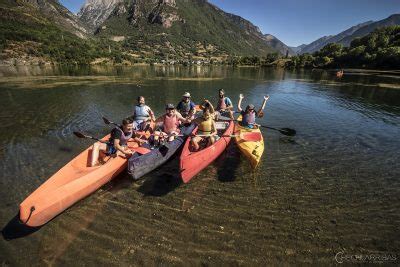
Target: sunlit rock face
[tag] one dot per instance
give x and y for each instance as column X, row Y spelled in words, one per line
column 95, row 12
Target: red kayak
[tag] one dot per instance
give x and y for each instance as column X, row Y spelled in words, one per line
column 191, row 163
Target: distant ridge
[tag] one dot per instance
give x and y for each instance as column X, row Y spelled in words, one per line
column 350, row 34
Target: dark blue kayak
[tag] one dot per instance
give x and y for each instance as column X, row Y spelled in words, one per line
column 139, row 165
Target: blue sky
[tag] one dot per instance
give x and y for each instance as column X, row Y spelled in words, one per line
column 300, row 21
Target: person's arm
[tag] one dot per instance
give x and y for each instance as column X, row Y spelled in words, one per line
column 192, row 109
column 263, row 105
column 240, row 102
column 212, row 111
column 152, row 117
column 228, row 103
column 182, row 119
column 121, row 148
column 159, row 120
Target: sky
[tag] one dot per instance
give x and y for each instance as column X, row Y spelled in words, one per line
column 297, row 22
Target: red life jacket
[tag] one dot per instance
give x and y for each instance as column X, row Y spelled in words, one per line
column 171, row 124
column 221, row 104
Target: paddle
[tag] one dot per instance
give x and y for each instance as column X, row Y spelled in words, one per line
column 140, row 150
column 107, row 121
column 284, row 131
column 81, row 135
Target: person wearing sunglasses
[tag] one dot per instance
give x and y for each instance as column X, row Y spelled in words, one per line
column 186, row 107
column 249, row 115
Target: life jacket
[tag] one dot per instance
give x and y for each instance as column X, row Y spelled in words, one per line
column 221, row 104
column 123, row 141
column 205, row 126
column 249, row 118
column 185, row 108
column 171, row 123
column 141, row 112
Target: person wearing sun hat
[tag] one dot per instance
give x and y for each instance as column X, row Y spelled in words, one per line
column 249, row 115
column 186, row 107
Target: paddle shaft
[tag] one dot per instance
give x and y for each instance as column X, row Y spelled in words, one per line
column 284, row 131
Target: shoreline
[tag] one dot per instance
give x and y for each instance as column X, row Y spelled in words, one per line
column 346, row 70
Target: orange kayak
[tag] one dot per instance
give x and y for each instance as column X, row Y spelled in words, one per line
column 73, row 182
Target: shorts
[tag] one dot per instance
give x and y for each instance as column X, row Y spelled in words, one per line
column 250, row 126
column 110, row 150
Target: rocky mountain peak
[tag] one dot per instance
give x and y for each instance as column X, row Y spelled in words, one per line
column 95, row 12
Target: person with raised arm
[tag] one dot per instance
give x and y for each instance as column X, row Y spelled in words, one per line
column 249, row 115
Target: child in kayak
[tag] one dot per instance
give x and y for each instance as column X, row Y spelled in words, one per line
column 118, row 142
column 186, row 107
column 224, row 106
column 169, row 124
column 206, row 126
column 249, row 115
column 142, row 114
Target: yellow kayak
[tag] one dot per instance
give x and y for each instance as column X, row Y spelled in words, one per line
column 252, row 150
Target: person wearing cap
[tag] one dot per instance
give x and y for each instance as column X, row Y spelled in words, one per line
column 206, row 129
column 224, row 106
column 142, row 114
column 249, row 115
column 169, row 124
column 186, row 107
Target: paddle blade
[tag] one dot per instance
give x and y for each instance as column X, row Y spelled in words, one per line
column 79, row 135
column 251, row 136
column 106, row 121
column 288, row 131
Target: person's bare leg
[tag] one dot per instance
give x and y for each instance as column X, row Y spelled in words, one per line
column 231, row 114
column 195, row 143
column 95, row 152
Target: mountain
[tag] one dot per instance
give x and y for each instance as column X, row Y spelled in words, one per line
column 173, row 27
column 277, row 44
column 350, row 34
column 321, row 42
column 296, row 49
column 40, row 31
column 94, row 12
column 363, row 31
column 316, row 45
column 40, row 10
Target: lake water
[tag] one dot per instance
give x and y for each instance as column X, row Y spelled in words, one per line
column 334, row 187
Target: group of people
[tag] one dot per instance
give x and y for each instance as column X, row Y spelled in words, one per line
column 167, row 127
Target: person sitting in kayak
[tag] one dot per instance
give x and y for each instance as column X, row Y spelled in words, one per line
column 142, row 114
column 206, row 128
column 186, row 107
column 224, row 106
column 249, row 115
column 169, row 124
column 117, row 143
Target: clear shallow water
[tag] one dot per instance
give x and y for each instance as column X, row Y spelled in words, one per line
column 334, row 187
